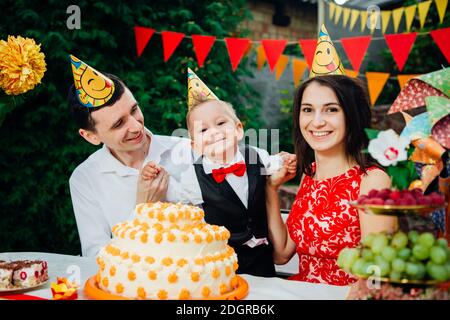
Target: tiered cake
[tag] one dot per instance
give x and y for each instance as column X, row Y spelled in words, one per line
column 167, row 252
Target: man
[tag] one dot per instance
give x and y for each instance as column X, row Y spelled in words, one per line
column 106, row 187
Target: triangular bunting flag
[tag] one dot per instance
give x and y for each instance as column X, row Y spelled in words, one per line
column 170, row 41
column 441, row 7
column 404, row 78
column 331, row 8
column 236, row 49
column 353, row 18
column 351, row 73
column 397, row 17
column 309, row 48
column 375, row 84
column 337, row 14
column 346, row 16
column 202, row 46
column 441, row 37
column 364, row 15
column 423, row 8
column 356, row 48
column 273, row 50
column 400, row 45
column 260, row 57
column 410, row 12
column 142, row 36
column 385, row 17
column 280, row 66
column 298, row 69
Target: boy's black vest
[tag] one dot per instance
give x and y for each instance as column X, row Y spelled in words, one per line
column 224, row 208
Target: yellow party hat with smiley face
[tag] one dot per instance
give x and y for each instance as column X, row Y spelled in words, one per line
column 93, row 89
column 198, row 92
column 326, row 60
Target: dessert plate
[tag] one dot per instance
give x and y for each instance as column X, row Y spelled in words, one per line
column 20, row 290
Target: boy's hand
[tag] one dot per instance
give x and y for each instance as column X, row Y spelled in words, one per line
column 152, row 183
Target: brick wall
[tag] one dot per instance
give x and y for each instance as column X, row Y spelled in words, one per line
column 303, row 21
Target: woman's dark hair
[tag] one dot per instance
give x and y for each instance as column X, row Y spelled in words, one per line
column 81, row 114
column 354, row 101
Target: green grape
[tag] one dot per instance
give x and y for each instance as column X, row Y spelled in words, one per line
column 379, row 258
column 367, row 241
column 420, row 252
column 404, row 253
column 341, row 257
column 367, row 254
column 379, row 242
column 400, row 240
column 438, row 255
column 412, row 269
column 388, row 253
column 421, row 271
column 398, row 265
column 441, row 242
column 395, row 275
column 358, row 266
column 437, row 272
column 426, row 239
column 447, row 267
column 350, row 258
column 413, row 236
column 368, row 269
column 385, row 269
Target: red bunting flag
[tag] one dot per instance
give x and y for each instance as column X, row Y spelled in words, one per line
column 309, row 48
column 441, row 37
column 202, row 46
column 142, row 36
column 236, row 49
column 356, row 48
column 400, row 45
column 170, row 40
column 273, row 50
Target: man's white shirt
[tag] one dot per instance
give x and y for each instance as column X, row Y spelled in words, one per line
column 103, row 190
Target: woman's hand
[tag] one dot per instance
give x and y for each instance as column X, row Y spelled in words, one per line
column 279, row 177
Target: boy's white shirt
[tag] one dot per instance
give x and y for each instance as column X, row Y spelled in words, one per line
column 188, row 190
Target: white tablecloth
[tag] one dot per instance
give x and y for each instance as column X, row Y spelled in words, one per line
column 80, row 269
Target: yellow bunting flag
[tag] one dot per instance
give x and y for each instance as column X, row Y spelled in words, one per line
column 346, row 16
column 280, row 66
column 331, row 8
column 337, row 14
column 260, row 57
column 423, row 8
column 363, row 19
column 403, row 79
column 353, row 18
column 385, row 17
column 441, row 7
column 351, row 73
column 410, row 12
column 375, row 84
column 298, row 69
column 397, row 17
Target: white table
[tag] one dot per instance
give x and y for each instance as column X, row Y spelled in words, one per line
column 81, row 268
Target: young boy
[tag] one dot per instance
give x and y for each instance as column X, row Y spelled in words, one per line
column 229, row 180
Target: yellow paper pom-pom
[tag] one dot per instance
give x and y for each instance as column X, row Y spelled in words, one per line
column 22, row 65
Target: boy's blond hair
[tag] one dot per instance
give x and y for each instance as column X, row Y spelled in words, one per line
column 228, row 107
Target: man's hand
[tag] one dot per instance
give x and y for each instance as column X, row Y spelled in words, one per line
column 152, row 183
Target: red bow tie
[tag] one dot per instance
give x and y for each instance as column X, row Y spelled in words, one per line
column 237, row 169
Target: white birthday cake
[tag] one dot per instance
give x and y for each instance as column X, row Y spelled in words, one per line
column 167, row 252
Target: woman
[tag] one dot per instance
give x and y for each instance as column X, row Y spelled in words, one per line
column 329, row 114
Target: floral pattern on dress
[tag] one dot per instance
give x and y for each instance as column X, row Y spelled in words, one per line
column 322, row 223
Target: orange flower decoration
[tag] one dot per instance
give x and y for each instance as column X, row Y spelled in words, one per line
column 22, row 65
